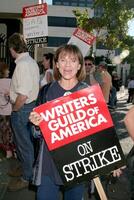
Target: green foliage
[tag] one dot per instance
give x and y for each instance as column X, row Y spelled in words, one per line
column 129, row 41
column 86, row 23
column 82, row 19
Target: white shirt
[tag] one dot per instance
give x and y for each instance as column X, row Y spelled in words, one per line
column 44, row 79
column 131, row 84
column 25, row 78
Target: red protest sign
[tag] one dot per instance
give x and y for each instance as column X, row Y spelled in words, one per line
column 82, row 39
column 80, row 135
column 84, row 36
column 73, row 117
column 35, row 24
column 35, row 10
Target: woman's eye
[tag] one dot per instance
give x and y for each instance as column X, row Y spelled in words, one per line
column 74, row 61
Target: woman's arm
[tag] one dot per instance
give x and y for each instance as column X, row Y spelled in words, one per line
column 129, row 122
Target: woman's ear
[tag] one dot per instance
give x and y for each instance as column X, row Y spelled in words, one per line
column 57, row 65
column 79, row 66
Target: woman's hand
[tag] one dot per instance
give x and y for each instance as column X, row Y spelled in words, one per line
column 118, row 172
column 35, row 118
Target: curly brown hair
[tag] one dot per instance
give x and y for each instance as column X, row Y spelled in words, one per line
column 3, row 68
column 17, row 42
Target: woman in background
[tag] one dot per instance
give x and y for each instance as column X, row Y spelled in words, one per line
column 47, row 75
column 5, row 111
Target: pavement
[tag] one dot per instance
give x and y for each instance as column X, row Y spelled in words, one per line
column 115, row 189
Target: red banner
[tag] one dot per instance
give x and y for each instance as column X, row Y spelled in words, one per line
column 73, row 117
column 84, row 36
column 35, row 10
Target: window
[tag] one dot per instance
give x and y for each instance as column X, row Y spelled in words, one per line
column 66, row 3
column 74, row 4
column 82, row 4
column 62, row 21
column 57, row 2
column 57, row 41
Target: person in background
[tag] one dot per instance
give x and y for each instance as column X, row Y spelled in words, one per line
column 131, row 90
column 90, row 80
column 23, row 94
column 69, row 73
column 129, row 123
column 106, row 80
column 116, row 82
column 5, row 111
column 90, row 70
column 47, row 75
column 113, row 92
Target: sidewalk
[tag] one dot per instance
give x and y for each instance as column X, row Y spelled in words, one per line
column 122, row 94
column 3, row 178
column 119, row 191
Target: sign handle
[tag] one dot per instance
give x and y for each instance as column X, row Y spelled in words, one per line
column 100, row 189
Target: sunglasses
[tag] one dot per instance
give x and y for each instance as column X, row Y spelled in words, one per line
column 88, row 64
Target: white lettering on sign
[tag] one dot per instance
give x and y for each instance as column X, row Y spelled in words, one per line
column 84, row 36
column 64, row 122
column 35, row 10
column 92, row 163
column 75, row 128
column 85, row 148
column 68, row 107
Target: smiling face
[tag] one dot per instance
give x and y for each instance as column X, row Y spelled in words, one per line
column 68, row 65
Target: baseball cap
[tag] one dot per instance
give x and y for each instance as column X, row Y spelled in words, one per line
column 103, row 63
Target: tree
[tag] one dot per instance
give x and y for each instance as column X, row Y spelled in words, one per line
column 130, row 59
column 114, row 20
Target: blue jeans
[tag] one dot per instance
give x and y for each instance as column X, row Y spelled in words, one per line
column 22, row 137
column 113, row 97
column 49, row 191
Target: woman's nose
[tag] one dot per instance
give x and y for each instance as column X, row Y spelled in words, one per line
column 67, row 62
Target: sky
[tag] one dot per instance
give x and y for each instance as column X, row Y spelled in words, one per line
column 131, row 23
column 49, row 1
column 131, row 27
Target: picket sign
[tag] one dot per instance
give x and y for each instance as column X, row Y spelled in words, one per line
column 35, row 23
column 77, row 152
column 83, row 40
column 99, row 188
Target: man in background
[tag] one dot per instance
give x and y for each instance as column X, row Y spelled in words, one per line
column 106, row 80
column 90, row 70
column 23, row 93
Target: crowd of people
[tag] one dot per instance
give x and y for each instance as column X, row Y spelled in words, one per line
column 63, row 73
column 109, row 83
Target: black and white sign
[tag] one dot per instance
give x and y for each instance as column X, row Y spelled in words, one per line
column 35, row 24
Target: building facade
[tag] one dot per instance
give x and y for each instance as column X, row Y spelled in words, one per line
column 80, row 3
column 61, row 23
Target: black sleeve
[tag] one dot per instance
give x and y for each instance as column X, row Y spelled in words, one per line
column 42, row 94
